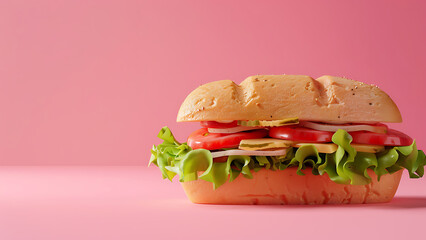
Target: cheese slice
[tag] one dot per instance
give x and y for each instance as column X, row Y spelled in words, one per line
column 367, row 148
column 264, row 143
column 321, row 147
column 269, row 123
column 331, row 147
column 271, row 143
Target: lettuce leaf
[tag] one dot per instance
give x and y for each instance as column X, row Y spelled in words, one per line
column 345, row 166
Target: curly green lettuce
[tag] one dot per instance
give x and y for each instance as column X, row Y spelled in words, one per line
column 345, row 166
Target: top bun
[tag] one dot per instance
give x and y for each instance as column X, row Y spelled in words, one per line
column 275, row 97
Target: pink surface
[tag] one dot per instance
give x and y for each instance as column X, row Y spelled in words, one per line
column 92, row 82
column 134, row 203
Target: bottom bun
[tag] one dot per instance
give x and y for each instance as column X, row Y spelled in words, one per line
column 286, row 187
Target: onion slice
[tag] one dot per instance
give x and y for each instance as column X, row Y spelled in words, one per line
column 232, row 152
column 225, row 121
column 349, row 128
column 232, row 129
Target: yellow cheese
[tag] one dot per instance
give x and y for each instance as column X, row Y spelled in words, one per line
column 269, row 123
column 264, row 143
column 331, row 147
column 367, row 148
column 271, row 143
column 321, row 147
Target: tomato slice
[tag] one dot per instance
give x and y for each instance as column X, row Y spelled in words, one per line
column 214, row 124
column 300, row 134
column 211, row 141
column 391, row 138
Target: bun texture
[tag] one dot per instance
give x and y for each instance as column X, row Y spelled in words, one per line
column 275, row 97
column 286, row 187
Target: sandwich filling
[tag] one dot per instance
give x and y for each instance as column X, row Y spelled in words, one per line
column 221, row 151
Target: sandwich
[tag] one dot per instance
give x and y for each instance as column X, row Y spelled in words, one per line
column 289, row 139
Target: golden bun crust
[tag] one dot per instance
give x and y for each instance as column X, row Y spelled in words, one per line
column 275, row 97
column 286, row 187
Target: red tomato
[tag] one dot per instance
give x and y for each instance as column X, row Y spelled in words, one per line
column 391, row 138
column 214, row 124
column 211, row 141
column 300, row 134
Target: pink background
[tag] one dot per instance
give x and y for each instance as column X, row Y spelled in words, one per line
column 92, row 82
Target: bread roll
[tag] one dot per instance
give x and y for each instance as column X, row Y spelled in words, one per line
column 275, row 97
column 286, row 187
